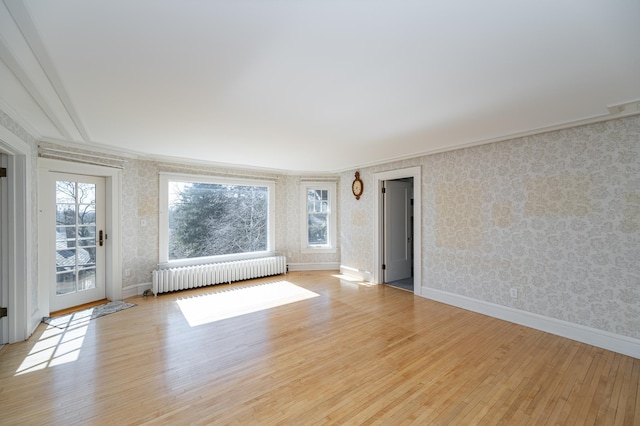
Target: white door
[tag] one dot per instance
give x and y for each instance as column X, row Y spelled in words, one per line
column 4, row 252
column 77, row 226
column 398, row 237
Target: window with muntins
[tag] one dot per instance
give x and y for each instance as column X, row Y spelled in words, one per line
column 318, row 223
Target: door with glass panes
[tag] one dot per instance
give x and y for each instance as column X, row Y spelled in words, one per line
column 80, row 238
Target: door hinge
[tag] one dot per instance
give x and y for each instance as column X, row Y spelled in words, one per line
column 384, row 190
column 3, row 172
column 384, row 266
column 3, row 312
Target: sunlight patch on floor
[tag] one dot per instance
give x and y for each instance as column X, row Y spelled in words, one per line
column 351, row 281
column 233, row 302
column 57, row 346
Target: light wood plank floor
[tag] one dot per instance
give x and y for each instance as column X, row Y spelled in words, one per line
column 354, row 354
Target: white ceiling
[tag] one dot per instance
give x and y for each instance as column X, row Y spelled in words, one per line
column 312, row 85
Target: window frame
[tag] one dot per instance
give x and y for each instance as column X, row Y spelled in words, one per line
column 163, row 219
column 331, row 246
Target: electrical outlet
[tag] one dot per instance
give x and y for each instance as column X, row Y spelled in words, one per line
column 514, row 293
column 127, row 272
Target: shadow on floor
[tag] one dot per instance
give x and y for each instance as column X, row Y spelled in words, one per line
column 404, row 284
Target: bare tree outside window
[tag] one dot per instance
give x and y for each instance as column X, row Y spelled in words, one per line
column 318, row 215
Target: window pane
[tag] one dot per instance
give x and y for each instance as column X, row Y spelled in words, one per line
column 86, row 257
column 66, row 259
column 87, row 235
column 214, row 219
column 65, row 237
column 86, row 214
column 65, row 192
column 66, row 283
column 86, row 279
column 86, row 193
column 66, row 214
column 317, row 229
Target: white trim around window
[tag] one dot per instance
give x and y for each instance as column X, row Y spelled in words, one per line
column 166, row 177
column 331, row 245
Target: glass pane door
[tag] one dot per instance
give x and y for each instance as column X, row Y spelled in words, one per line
column 75, row 236
column 79, row 240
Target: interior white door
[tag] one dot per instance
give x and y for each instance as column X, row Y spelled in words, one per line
column 77, row 222
column 4, row 252
column 398, row 237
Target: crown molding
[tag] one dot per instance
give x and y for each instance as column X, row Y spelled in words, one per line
column 13, row 115
column 21, row 17
column 616, row 111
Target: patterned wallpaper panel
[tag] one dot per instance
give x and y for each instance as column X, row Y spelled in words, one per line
column 140, row 207
column 140, row 247
column 555, row 215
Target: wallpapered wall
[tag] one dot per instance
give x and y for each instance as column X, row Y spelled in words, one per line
column 140, row 208
column 140, row 201
column 555, row 215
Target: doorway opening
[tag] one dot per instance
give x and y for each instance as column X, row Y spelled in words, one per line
column 397, row 235
column 408, row 237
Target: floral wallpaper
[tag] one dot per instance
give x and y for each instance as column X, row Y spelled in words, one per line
column 293, row 209
column 555, row 215
column 140, row 208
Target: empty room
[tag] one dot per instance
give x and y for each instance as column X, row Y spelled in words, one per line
column 319, row 212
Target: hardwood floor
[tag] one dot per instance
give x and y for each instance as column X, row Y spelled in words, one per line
column 78, row 308
column 351, row 354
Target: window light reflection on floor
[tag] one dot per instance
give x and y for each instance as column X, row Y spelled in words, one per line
column 236, row 301
column 345, row 279
column 57, row 345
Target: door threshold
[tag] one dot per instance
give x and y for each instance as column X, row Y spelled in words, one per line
column 78, row 308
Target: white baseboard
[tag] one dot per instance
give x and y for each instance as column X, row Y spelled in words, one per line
column 135, row 290
column 318, row 266
column 592, row 336
column 356, row 273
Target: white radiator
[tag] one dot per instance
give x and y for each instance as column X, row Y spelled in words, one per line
column 185, row 277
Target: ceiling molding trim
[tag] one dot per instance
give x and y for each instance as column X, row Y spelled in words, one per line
column 19, row 120
column 23, row 20
column 12, row 63
column 137, row 155
column 623, row 110
column 92, row 147
column 617, row 111
column 206, row 163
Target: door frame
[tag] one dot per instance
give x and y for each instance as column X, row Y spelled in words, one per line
column 378, row 253
column 98, row 291
column 390, row 232
column 113, row 264
column 22, row 317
